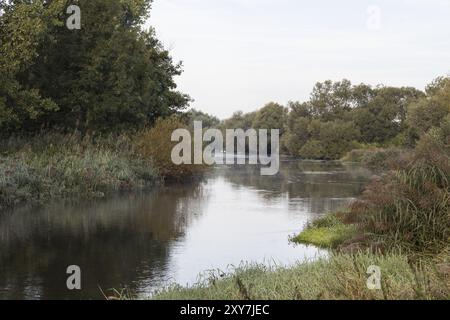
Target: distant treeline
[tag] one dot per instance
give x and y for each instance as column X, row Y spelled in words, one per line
column 340, row 117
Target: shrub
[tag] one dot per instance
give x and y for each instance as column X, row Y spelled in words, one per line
column 410, row 207
column 378, row 158
column 357, row 155
column 381, row 158
column 19, row 182
column 312, row 149
column 155, row 143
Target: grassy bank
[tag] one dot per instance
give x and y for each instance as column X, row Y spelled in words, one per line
column 37, row 169
column 41, row 167
column 338, row 277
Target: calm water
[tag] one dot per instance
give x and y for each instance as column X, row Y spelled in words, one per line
column 145, row 240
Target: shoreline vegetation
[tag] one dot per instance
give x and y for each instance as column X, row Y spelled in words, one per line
column 45, row 167
column 87, row 113
column 340, row 277
column 51, row 164
column 40, row 168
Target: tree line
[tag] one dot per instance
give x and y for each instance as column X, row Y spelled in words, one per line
column 111, row 75
column 340, row 116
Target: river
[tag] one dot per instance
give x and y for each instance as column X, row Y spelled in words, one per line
column 145, row 240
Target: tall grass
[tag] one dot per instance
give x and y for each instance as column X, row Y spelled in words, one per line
column 326, row 232
column 48, row 166
column 410, row 207
column 338, row 277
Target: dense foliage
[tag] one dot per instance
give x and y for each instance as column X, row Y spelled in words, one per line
column 155, row 143
column 109, row 75
column 410, row 206
column 340, row 117
column 208, row 121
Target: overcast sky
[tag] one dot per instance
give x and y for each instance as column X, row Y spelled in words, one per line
column 241, row 54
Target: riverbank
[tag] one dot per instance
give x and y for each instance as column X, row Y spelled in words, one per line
column 38, row 169
column 378, row 159
column 35, row 169
column 340, row 277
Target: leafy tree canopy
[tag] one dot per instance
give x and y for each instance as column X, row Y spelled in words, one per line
column 109, row 75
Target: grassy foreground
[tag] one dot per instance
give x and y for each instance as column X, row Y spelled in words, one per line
column 340, row 276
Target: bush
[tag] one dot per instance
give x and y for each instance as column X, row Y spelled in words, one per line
column 357, row 155
column 378, row 158
column 155, row 143
column 382, row 158
column 312, row 149
column 410, row 207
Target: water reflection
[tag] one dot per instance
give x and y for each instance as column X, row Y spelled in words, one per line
column 143, row 240
column 116, row 242
column 322, row 186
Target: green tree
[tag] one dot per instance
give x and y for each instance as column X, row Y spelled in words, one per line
column 271, row 116
column 207, row 120
column 383, row 117
column 431, row 110
column 239, row 120
column 23, row 25
column 329, row 140
column 338, row 137
column 330, row 100
column 110, row 75
column 297, row 134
